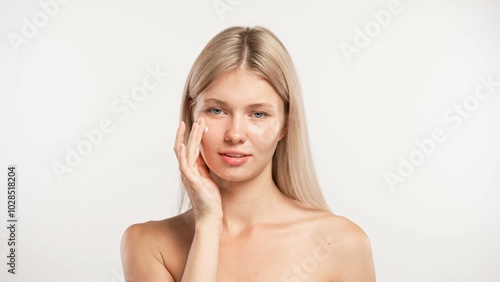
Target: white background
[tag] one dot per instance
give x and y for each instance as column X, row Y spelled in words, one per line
column 364, row 111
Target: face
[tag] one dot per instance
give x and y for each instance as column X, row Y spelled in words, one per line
column 245, row 120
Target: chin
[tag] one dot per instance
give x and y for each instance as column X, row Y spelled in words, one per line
column 232, row 176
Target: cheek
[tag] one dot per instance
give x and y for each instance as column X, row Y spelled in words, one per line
column 265, row 133
column 206, row 141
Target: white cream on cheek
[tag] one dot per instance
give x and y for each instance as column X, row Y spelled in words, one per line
column 264, row 133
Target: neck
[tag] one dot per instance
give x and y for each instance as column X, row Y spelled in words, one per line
column 249, row 203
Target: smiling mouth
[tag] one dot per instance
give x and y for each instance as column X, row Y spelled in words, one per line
column 234, row 158
column 234, row 155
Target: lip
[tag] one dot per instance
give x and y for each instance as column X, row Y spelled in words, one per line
column 233, row 152
column 235, row 158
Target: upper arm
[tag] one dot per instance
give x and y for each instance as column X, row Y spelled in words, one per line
column 141, row 261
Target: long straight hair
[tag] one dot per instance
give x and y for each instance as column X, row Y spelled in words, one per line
column 259, row 51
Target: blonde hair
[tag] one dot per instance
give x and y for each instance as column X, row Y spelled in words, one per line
column 259, row 51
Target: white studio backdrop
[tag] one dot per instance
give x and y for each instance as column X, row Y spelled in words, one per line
column 402, row 101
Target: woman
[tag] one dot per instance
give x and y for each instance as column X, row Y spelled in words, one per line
column 257, row 212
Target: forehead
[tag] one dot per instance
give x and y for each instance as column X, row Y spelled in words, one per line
column 241, row 88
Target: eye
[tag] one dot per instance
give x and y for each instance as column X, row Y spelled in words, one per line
column 259, row 115
column 215, row 111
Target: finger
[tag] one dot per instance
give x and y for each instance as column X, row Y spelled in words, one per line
column 179, row 138
column 192, row 144
column 187, row 169
column 197, row 140
column 202, row 167
column 201, row 131
column 184, row 169
column 183, row 165
column 190, row 178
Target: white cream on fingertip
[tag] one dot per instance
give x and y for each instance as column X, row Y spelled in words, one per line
column 206, row 128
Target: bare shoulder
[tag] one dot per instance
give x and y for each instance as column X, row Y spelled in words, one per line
column 147, row 248
column 154, row 233
column 344, row 229
column 325, row 221
column 351, row 249
column 342, row 247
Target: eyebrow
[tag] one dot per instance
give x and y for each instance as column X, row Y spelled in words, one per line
column 223, row 103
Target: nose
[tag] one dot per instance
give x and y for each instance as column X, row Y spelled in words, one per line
column 236, row 131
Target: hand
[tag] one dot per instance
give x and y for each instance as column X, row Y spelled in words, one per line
column 200, row 187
